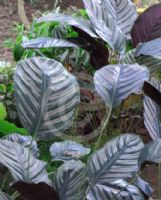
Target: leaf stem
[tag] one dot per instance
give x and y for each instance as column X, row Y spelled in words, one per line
column 103, row 128
column 15, row 195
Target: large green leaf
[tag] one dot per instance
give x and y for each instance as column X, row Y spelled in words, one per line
column 118, row 159
column 7, row 128
column 21, row 163
column 115, row 83
column 74, row 21
column 70, row 181
column 3, row 112
column 104, row 25
column 152, row 114
column 46, row 96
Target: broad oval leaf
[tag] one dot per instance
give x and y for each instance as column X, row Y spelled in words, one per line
column 152, row 113
column 4, row 196
column 68, row 150
column 115, row 83
column 46, row 96
column 151, row 48
column 104, row 25
column 123, row 13
column 22, row 164
column 73, row 21
column 46, row 42
column 70, row 181
column 32, row 191
column 118, row 159
column 148, row 26
column 25, row 141
column 118, row 190
column 151, row 152
column 153, row 64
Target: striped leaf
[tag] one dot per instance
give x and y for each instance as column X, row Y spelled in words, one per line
column 151, row 152
column 25, row 141
column 21, row 163
column 74, row 21
column 151, row 48
column 70, row 181
column 118, row 159
column 152, row 114
column 115, row 83
column 46, row 42
column 46, row 96
column 118, row 190
column 4, row 196
column 153, row 64
column 68, row 150
column 123, row 13
column 104, row 25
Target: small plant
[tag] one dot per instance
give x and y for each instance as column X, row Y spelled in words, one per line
column 48, row 96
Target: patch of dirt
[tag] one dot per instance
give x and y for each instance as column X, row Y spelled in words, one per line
column 8, row 18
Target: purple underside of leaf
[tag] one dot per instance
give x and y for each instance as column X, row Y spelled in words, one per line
column 148, row 26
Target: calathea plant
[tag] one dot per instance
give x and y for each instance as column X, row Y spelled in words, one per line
column 47, row 96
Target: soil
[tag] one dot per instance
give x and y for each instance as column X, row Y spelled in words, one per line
column 9, row 16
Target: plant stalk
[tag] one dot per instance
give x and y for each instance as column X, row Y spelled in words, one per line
column 105, row 125
column 15, row 195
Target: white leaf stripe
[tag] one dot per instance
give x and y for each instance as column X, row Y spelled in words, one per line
column 115, row 83
column 104, row 25
column 15, row 157
column 152, row 114
column 70, row 181
column 46, row 96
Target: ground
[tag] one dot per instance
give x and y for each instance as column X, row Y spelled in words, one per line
column 9, row 16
